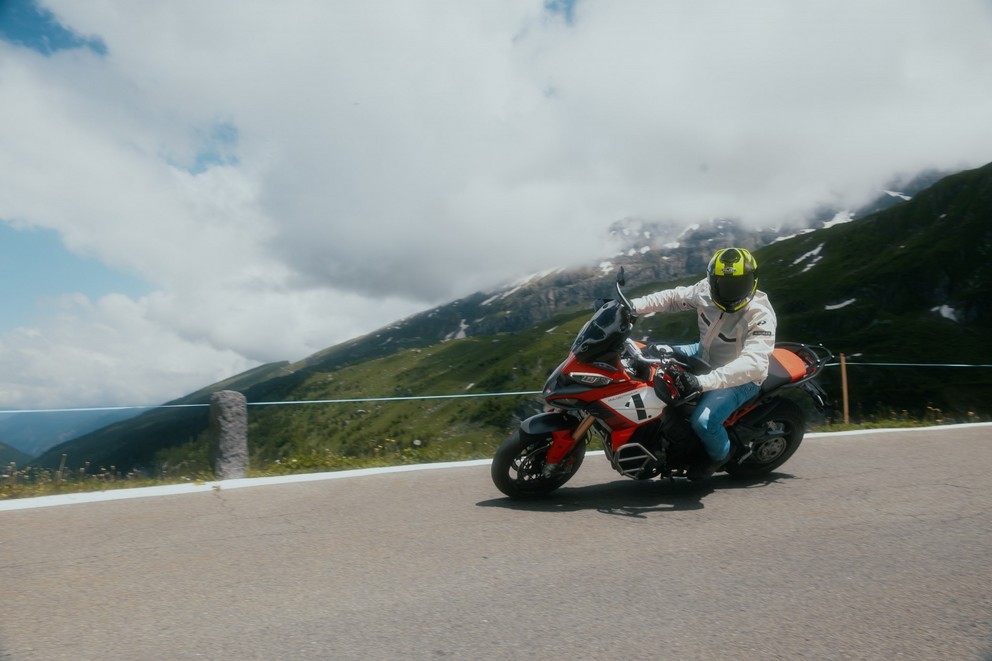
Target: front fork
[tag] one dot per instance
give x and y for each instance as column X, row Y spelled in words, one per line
column 563, row 441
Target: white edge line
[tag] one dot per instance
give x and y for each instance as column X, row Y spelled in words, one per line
column 888, row 430
column 218, row 485
column 221, row 485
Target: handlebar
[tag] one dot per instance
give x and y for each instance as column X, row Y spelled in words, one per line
column 667, row 359
column 635, row 352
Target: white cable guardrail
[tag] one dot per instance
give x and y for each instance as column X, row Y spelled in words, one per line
column 908, row 364
column 844, row 363
column 359, row 400
column 350, row 400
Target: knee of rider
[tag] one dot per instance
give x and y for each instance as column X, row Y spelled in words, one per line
column 701, row 422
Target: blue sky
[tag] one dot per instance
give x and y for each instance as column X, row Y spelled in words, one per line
column 189, row 189
column 33, row 261
column 25, row 23
column 37, row 268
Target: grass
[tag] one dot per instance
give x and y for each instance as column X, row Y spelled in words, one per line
column 932, row 416
column 32, row 481
column 29, row 482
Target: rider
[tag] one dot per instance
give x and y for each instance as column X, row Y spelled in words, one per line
column 737, row 336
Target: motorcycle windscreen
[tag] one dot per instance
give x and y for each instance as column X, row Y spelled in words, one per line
column 604, row 332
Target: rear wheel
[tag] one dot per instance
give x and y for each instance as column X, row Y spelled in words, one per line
column 781, row 433
column 518, row 466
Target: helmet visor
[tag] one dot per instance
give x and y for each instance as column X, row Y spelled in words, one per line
column 729, row 289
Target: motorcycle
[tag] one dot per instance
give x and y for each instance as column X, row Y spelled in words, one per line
column 611, row 386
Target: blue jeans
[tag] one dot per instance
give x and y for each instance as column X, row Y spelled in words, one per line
column 713, row 409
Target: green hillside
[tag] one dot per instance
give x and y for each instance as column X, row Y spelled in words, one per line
column 906, row 285
column 894, row 273
column 136, row 441
column 10, row 455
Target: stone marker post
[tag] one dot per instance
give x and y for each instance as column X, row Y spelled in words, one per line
column 229, row 434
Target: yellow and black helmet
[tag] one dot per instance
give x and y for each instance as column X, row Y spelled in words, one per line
column 733, row 276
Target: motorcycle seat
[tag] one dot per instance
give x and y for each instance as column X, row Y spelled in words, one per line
column 784, row 367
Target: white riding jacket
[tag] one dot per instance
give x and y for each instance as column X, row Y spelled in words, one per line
column 737, row 344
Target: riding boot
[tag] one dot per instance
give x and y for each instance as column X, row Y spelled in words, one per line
column 706, row 467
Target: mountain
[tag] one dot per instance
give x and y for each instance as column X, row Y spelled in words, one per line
column 637, row 236
column 907, row 284
column 10, row 455
column 34, row 432
column 129, row 443
column 650, row 251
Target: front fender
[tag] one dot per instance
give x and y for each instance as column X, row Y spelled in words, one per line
column 545, row 423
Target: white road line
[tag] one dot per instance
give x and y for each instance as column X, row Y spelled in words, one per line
column 198, row 487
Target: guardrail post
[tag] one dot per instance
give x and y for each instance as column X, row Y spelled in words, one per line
column 843, row 388
column 229, row 434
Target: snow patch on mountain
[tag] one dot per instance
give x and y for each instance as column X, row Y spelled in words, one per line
column 813, row 255
column 838, row 306
column 520, row 284
column 458, row 334
column 792, row 236
column 839, row 219
column 947, row 312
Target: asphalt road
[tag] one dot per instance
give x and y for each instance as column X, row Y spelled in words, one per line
column 861, row 547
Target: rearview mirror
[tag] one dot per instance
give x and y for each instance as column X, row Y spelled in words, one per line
column 621, row 281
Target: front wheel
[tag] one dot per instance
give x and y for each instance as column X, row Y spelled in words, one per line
column 779, row 438
column 518, row 466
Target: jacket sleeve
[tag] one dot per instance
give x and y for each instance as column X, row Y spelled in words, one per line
column 677, row 299
column 752, row 364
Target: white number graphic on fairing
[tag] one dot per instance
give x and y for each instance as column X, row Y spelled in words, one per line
column 637, row 406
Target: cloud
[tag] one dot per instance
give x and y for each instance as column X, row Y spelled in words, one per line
column 286, row 176
column 98, row 350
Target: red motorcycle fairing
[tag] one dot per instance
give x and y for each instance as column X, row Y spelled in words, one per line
column 560, row 427
column 621, row 437
column 562, row 443
column 557, row 424
column 608, row 391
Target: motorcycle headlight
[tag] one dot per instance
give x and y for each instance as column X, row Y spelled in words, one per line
column 589, row 379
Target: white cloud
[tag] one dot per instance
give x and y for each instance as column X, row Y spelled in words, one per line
column 287, row 175
column 103, row 353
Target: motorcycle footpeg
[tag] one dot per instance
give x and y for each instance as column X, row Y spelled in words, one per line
column 740, row 458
